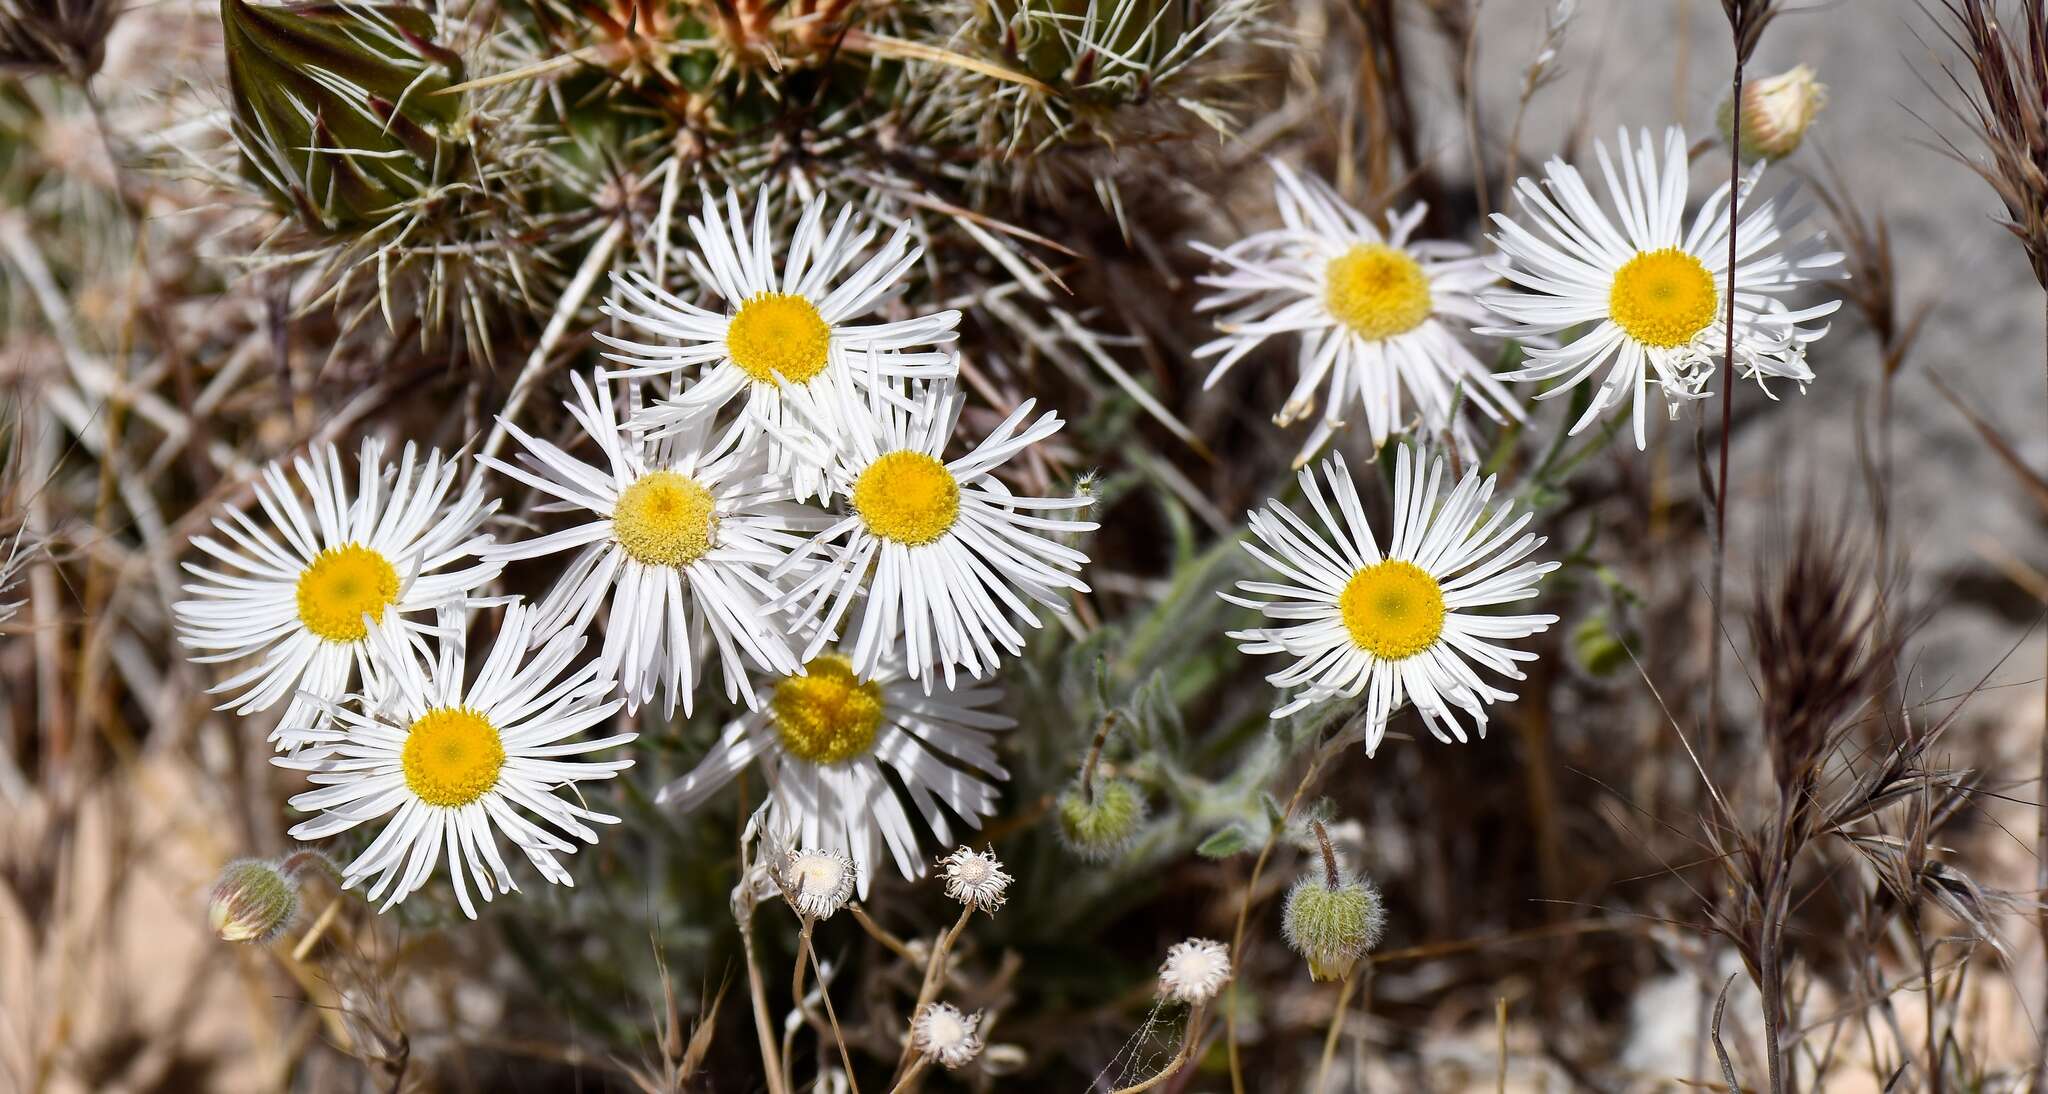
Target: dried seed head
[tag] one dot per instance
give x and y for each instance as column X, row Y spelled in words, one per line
column 975, row 878
column 943, row 1033
column 1333, row 925
column 817, row 883
column 1776, row 112
column 1194, row 971
column 255, row 900
column 1101, row 826
column 1814, row 628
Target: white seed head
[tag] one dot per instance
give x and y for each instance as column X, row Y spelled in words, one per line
column 1194, row 971
column 817, row 883
column 945, row 1034
column 975, row 878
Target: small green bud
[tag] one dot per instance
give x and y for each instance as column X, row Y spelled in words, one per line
column 255, row 900
column 1595, row 646
column 1333, row 925
column 1101, row 826
column 1776, row 112
column 337, row 106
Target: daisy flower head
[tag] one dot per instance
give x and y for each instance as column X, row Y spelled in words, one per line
column 303, row 588
column 816, row 883
column 457, row 762
column 779, row 328
column 1373, row 314
column 1649, row 291
column 947, row 557
column 1400, row 625
column 680, row 532
column 848, row 761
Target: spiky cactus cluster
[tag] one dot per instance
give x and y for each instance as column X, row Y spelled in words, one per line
column 471, row 173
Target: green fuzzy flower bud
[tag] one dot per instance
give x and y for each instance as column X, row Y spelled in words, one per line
column 1776, row 112
column 1333, row 925
column 1596, row 648
column 255, row 900
column 337, row 107
column 1101, row 826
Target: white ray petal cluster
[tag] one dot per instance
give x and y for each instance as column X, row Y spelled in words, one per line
column 791, row 327
column 854, row 764
column 1405, row 625
column 1379, row 317
column 941, row 554
column 302, row 584
column 680, row 533
column 459, row 763
column 1641, row 296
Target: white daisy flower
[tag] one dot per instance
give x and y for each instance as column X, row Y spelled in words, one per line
column 456, row 763
column 944, row 1033
column 1399, row 625
column 848, row 760
column 1194, row 970
column 1374, row 314
column 304, row 594
column 941, row 549
column 1650, row 290
column 684, row 530
column 786, row 329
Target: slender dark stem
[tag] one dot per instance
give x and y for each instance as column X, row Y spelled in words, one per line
column 2041, row 848
column 1332, row 879
column 1102, row 729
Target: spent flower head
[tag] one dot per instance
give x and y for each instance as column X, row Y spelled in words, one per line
column 944, row 1033
column 975, row 878
column 817, row 883
column 1195, row 970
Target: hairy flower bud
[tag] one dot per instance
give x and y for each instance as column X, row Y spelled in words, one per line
column 255, row 900
column 1333, row 925
column 1776, row 112
column 1100, row 826
column 337, row 106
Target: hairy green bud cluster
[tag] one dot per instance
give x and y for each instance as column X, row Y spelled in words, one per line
column 1101, row 826
column 1333, row 925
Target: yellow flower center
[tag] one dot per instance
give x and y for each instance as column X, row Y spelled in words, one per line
column 778, row 335
column 1393, row 609
column 908, row 497
column 452, row 756
column 1663, row 298
column 1377, row 291
column 665, row 519
column 343, row 585
column 827, row 716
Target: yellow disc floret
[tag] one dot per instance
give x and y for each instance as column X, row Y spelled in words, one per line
column 908, row 497
column 452, row 756
column 343, row 585
column 1376, row 290
column 779, row 336
column 1393, row 609
column 1663, row 298
column 665, row 519
column 827, row 716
